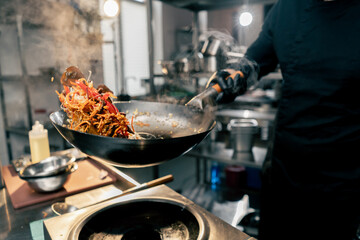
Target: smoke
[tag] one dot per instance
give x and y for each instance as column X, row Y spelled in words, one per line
column 229, row 50
column 58, row 32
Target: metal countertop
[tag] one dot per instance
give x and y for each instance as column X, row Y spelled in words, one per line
column 15, row 223
column 213, row 228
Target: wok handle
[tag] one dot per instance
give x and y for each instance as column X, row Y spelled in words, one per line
column 217, row 86
column 209, row 94
column 161, row 180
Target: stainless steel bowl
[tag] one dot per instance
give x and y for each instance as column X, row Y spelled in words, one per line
column 50, row 183
column 48, row 167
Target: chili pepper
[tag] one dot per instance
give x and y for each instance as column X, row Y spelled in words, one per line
column 84, row 88
column 94, row 94
column 67, row 90
column 106, row 96
column 112, row 108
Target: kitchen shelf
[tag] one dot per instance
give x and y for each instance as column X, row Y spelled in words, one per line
column 221, row 154
column 20, row 131
column 206, row 157
column 200, row 5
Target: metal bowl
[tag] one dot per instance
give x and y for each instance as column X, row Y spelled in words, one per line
column 50, row 183
column 48, row 167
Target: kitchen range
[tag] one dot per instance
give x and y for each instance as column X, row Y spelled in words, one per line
column 110, row 211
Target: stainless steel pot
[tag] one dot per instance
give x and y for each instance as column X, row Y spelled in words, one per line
column 242, row 136
column 211, row 47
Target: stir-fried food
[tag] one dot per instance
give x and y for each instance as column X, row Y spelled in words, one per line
column 90, row 109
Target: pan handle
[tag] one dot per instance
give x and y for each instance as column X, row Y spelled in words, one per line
column 207, row 97
column 217, row 86
column 162, row 180
column 64, row 207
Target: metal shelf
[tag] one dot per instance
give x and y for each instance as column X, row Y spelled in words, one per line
column 20, row 131
column 195, row 5
column 221, row 154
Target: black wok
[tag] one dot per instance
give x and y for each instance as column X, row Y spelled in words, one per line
column 177, row 129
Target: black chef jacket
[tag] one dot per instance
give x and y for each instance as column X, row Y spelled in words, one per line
column 314, row 181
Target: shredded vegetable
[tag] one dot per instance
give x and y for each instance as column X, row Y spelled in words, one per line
column 92, row 112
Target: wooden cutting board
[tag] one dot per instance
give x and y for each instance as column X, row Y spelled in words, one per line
column 86, row 177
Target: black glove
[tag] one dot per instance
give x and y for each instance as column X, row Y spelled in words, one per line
column 232, row 86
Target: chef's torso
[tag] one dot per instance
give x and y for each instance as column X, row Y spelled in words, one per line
column 318, row 133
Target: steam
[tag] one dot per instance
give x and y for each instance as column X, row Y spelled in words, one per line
column 61, row 33
column 229, row 50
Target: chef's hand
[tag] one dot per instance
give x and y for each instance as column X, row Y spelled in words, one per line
column 234, row 83
column 231, row 83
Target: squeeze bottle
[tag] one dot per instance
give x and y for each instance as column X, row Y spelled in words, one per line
column 39, row 143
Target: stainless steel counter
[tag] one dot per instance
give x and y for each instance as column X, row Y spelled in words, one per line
column 15, row 223
column 68, row 226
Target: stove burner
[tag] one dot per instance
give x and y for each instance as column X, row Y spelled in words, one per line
column 148, row 220
column 141, row 233
column 136, row 233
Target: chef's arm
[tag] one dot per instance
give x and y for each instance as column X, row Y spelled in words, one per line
column 236, row 80
column 259, row 60
column 262, row 49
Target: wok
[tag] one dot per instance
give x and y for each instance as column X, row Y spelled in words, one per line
column 176, row 129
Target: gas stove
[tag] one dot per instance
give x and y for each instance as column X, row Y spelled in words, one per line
column 156, row 213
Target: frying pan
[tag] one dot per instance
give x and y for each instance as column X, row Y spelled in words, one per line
column 170, row 131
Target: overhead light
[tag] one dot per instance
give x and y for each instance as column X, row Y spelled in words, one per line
column 111, row 8
column 245, row 19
